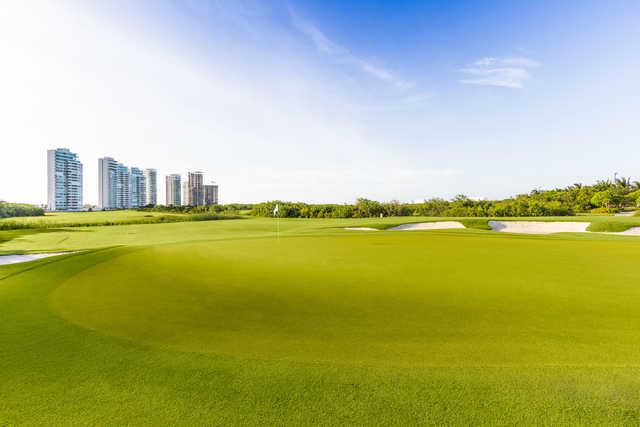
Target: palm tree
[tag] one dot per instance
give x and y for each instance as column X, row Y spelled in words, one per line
column 623, row 182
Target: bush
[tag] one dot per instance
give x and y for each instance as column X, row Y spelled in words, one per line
column 604, row 210
column 9, row 210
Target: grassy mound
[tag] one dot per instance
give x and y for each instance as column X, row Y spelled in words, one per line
column 360, row 299
column 612, row 227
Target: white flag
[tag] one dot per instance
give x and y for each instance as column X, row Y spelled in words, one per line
column 276, row 209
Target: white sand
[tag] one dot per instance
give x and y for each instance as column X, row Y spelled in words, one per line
column 14, row 259
column 538, row 227
column 361, row 228
column 633, row 231
column 522, row 227
column 441, row 225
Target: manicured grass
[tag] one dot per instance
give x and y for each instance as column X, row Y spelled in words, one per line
column 612, row 227
column 223, row 322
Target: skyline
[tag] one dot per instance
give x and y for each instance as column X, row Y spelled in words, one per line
column 120, row 186
column 324, row 101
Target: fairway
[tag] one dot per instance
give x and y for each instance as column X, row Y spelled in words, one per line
column 223, row 322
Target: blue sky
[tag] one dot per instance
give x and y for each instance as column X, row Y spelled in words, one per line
column 325, row 101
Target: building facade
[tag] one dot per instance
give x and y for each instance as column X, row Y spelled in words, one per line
column 211, row 194
column 195, row 189
column 137, row 188
column 172, row 186
column 186, row 194
column 123, row 187
column 64, row 180
column 107, row 172
column 151, row 179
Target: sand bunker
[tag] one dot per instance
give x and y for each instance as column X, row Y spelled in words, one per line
column 361, row 228
column 15, row 259
column 441, row 225
column 538, row 227
column 521, row 227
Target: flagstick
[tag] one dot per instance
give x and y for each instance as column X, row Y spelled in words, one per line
column 276, row 213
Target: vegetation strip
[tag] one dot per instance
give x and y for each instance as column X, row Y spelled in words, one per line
column 17, row 224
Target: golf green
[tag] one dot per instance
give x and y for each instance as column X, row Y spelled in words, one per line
column 226, row 324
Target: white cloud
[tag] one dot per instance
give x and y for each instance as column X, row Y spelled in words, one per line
column 325, row 45
column 510, row 72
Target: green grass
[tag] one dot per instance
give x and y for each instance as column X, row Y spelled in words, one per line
column 103, row 218
column 612, row 227
column 223, row 323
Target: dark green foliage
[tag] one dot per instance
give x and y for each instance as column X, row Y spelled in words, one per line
column 8, row 210
column 607, row 196
column 233, row 208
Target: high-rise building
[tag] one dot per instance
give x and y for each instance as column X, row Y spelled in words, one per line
column 107, row 188
column 64, row 180
column 123, row 187
column 172, row 184
column 150, row 176
column 138, row 188
column 195, row 188
column 211, row 194
column 120, row 187
column 186, row 194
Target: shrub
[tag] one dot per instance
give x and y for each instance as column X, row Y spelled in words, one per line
column 604, row 210
column 8, row 210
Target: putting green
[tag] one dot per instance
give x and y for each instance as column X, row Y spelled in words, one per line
column 419, row 300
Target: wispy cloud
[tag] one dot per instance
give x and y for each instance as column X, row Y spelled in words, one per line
column 510, row 72
column 325, row 45
column 404, row 103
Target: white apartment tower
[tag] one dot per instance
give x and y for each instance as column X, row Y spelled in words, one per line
column 211, row 194
column 172, row 185
column 186, row 194
column 64, row 180
column 151, row 178
column 123, row 187
column 107, row 177
column 195, row 189
column 137, row 188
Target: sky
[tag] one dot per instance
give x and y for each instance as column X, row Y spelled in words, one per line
column 323, row 101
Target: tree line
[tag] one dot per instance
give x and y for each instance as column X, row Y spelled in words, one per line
column 229, row 209
column 603, row 197
column 8, row 210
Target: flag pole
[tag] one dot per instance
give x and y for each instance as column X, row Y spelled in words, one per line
column 276, row 213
